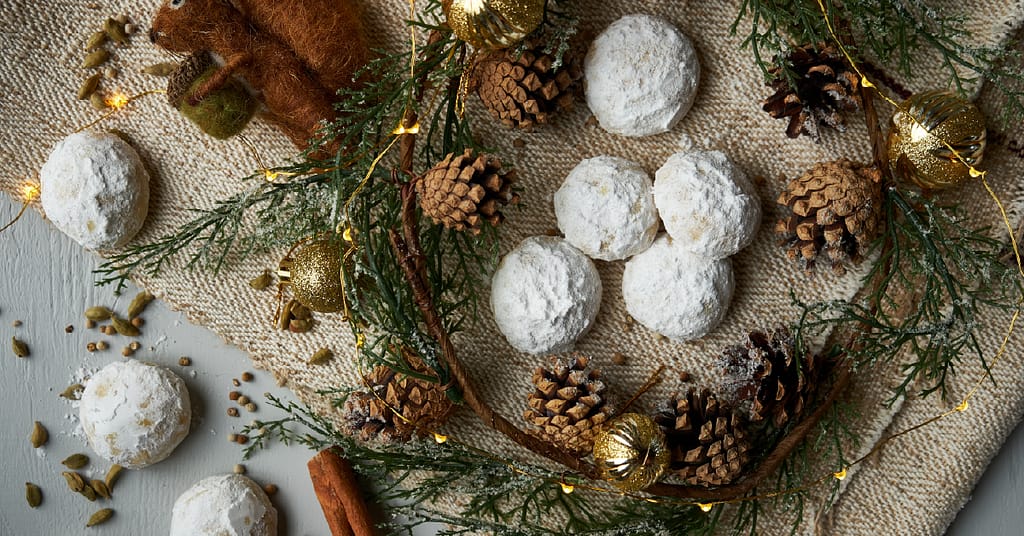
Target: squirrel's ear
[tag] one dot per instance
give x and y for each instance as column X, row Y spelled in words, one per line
column 175, row 4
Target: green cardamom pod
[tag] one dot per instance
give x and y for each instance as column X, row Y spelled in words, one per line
column 100, row 517
column 160, row 69
column 321, row 356
column 95, row 58
column 39, row 435
column 112, row 475
column 76, row 461
column 261, row 282
column 115, row 31
column 100, row 487
column 96, row 40
column 89, row 86
column 139, row 303
column 19, row 347
column 33, row 495
column 124, row 327
column 98, row 313
column 75, row 481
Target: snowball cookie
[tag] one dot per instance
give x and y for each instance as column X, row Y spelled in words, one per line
column 641, row 76
column 676, row 293
column 229, row 505
column 605, row 208
column 708, row 204
column 95, row 189
column 545, row 294
column 135, row 413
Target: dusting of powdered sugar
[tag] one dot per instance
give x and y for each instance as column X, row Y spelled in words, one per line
column 224, row 505
column 676, row 293
column 605, row 207
column 545, row 294
column 708, row 204
column 641, row 76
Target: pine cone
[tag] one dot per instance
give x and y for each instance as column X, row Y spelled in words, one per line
column 568, row 405
column 463, row 191
column 523, row 92
column 181, row 79
column 707, row 438
column 370, row 414
column 767, row 371
column 835, row 209
column 825, row 88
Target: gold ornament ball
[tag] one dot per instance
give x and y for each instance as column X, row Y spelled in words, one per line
column 494, row 24
column 314, row 274
column 922, row 127
column 631, row 453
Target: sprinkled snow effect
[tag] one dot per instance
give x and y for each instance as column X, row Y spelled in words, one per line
column 545, row 295
column 641, row 76
column 605, row 208
column 95, row 189
column 229, row 505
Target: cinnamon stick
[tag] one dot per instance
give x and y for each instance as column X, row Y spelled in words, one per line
column 339, row 494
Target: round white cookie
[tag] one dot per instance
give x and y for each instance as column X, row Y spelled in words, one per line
column 641, row 76
column 708, row 204
column 605, row 208
column 229, row 505
column 95, row 189
column 545, row 295
column 676, row 293
column 135, row 413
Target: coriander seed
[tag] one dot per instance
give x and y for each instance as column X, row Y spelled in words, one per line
column 102, row 345
column 234, row 395
column 91, row 347
column 243, row 400
column 185, row 361
column 232, row 412
column 247, row 376
column 270, row 489
column 239, row 469
column 138, row 321
column 250, row 407
column 233, row 438
column 69, row 329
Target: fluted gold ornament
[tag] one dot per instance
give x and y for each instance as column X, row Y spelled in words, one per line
column 314, row 275
column 494, row 24
column 631, row 453
column 921, row 128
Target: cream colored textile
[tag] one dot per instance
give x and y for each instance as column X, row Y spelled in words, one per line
column 914, row 487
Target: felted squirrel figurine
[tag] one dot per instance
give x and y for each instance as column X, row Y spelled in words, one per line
column 296, row 101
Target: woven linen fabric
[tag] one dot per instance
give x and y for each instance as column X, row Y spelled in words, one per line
column 914, row 486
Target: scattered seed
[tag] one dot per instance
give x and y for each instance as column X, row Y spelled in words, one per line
column 160, row 69
column 243, row 400
column 321, row 356
column 75, row 461
column 135, row 346
column 17, row 323
column 19, row 347
column 112, row 475
column 127, row 351
column 102, row 345
column 39, row 435
column 619, row 358
column 519, row 143
column 96, row 40
column 100, row 487
column 242, row 439
column 124, row 327
column 300, row 325
column 109, row 73
column 233, row 438
column 270, row 489
column 262, row 281
column 234, row 395
column 684, row 376
column 139, row 303
column 98, row 102
column 90, row 324
column 138, row 321
column 89, row 86
column 239, row 469
column 91, row 347
column 75, row 481
column 283, row 321
column 235, row 382
column 115, row 31
column 185, row 361
column 69, row 329
column 73, row 391
column 232, row 412
column 100, row 517
column 107, row 330
column 95, row 58
column 98, row 313
column 33, row 495
column 250, row 407
column 88, row 492
column 247, row 376
column 302, row 312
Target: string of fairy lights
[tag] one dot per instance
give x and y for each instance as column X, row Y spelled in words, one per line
column 119, row 101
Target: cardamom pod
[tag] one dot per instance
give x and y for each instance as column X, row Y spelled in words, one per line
column 33, row 495
column 88, row 492
column 299, row 325
column 75, row 481
column 96, row 40
column 100, row 517
column 89, row 86
column 19, row 347
column 115, row 31
column 73, row 392
column 98, row 313
column 112, row 475
column 286, row 314
column 302, row 312
column 139, row 303
column 95, row 58
column 39, row 435
column 124, row 327
column 262, row 281
column 101, row 488
column 160, row 69
column 321, row 356
column 98, row 102
column 76, row 461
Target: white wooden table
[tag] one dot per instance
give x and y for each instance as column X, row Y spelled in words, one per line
column 47, row 282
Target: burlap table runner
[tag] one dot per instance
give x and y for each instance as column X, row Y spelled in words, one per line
column 915, row 486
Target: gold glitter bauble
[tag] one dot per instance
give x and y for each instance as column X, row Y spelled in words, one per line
column 494, row 24
column 314, row 274
column 920, row 126
column 631, row 453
